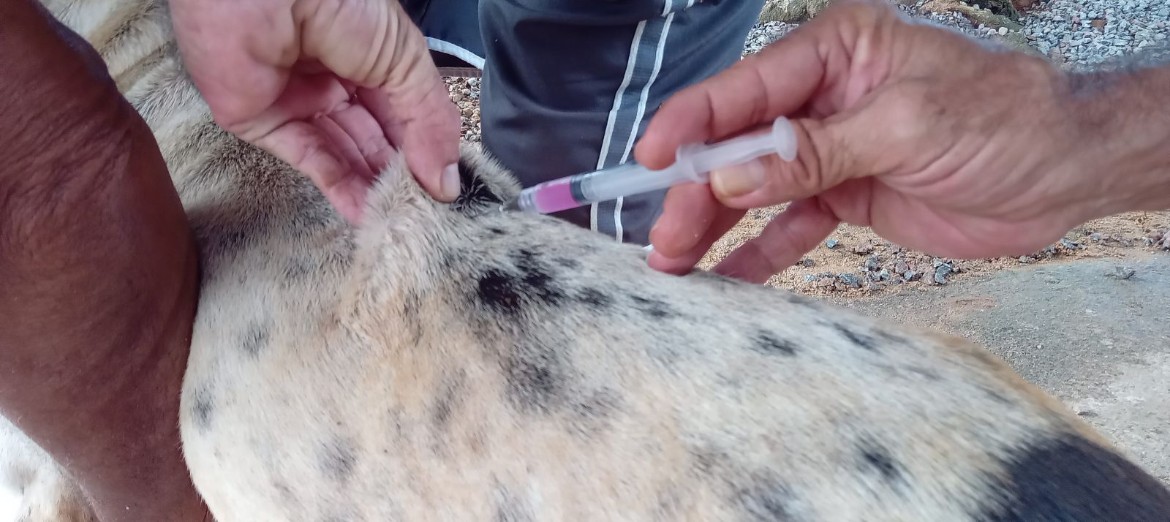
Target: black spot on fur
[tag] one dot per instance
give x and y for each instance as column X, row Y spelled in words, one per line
column 876, row 458
column 537, row 277
column 286, row 494
column 757, row 494
column 308, row 212
column 564, row 262
column 864, row 341
column 334, row 257
column 343, row 256
column 513, row 513
column 669, row 505
column 893, row 338
column 594, row 298
column 411, row 303
column 310, row 218
column 202, row 408
column 475, row 193
column 652, row 307
column 497, row 231
column 218, row 240
column 449, row 260
column 798, row 299
column 342, row 513
column 200, row 139
column 254, row 339
column 535, row 378
column 532, row 384
column 224, row 228
column 1071, row 478
column 706, row 461
column 297, row 268
column 447, row 398
column 337, row 459
column 411, row 316
column 507, row 292
column 767, row 343
column 766, row 499
column 594, row 413
column 509, row 508
column 994, row 395
column 596, row 407
column 500, row 291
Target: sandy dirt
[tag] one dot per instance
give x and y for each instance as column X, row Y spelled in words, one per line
column 859, row 252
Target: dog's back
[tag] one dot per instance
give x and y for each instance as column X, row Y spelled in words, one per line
column 456, row 362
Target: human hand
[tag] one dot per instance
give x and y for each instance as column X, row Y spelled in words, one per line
column 332, row 87
column 936, row 141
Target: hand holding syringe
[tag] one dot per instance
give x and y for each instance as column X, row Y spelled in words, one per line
column 693, row 164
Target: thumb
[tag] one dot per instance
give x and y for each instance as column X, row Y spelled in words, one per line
column 376, row 46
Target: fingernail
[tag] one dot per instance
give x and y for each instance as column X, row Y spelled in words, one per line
column 738, row 180
column 450, row 184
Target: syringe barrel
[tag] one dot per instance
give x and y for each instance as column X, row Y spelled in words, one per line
column 623, row 180
column 693, row 163
column 583, row 189
column 703, row 158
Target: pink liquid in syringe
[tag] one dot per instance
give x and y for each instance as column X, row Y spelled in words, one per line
column 555, row 197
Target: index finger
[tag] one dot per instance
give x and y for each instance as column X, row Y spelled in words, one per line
column 776, row 81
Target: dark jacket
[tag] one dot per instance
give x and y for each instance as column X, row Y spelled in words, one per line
column 452, row 31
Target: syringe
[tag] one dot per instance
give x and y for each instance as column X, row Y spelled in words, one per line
column 693, row 163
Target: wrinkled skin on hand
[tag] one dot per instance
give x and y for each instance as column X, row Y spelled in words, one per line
column 936, row 141
column 333, row 87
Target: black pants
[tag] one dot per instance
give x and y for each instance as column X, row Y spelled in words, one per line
column 569, row 85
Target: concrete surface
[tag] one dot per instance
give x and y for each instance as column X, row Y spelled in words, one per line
column 1096, row 341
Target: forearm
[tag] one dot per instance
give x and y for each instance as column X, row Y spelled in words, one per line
column 98, row 274
column 1124, row 117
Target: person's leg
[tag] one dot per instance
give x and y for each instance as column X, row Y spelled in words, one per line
column 451, row 28
column 568, row 87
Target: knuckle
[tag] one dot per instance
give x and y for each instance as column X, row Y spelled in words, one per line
column 806, row 177
column 805, row 172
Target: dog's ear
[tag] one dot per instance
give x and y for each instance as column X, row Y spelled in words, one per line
column 485, row 184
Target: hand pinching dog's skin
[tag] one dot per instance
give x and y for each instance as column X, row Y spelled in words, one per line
column 454, row 362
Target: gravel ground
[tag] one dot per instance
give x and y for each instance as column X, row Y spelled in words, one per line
column 1088, row 33
column 1073, row 33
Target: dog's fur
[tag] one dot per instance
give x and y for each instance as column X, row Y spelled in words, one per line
column 454, row 362
column 45, row 489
